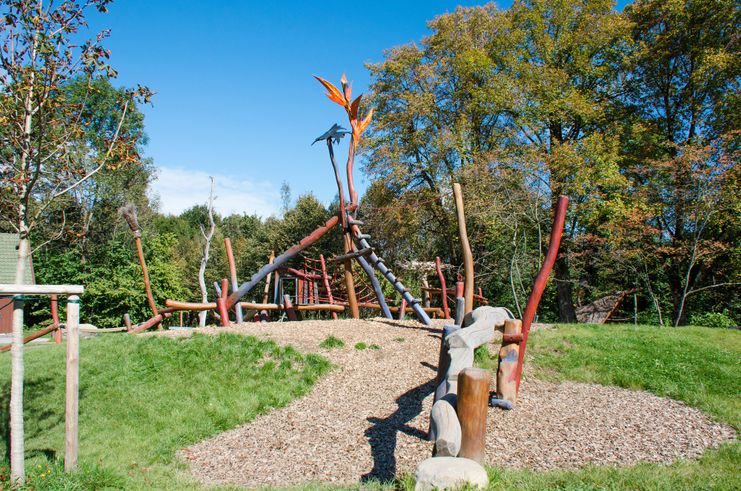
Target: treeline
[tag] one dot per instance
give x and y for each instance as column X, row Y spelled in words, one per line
column 634, row 115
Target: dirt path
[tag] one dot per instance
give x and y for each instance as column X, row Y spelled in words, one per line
column 368, row 418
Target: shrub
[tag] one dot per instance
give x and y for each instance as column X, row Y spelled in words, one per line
column 713, row 319
column 332, row 342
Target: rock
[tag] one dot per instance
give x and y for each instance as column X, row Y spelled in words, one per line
column 449, row 473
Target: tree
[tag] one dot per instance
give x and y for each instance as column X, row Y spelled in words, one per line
column 683, row 143
column 522, row 97
column 41, row 158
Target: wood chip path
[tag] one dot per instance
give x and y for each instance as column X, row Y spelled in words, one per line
column 367, row 419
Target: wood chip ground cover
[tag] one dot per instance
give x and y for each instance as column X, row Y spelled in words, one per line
column 368, row 418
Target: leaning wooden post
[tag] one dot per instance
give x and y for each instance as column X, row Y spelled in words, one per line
column 402, row 309
column 473, row 403
column 221, row 303
column 325, row 280
column 73, row 383
column 443, row 286
column 288, row 306
column 542, row 279
column 233, row 276
column 465, row 247
column 508, row 355
column 271, row 258
column 55, row 318
column 128, row 211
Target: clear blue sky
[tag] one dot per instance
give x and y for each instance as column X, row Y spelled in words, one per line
column 235, row 97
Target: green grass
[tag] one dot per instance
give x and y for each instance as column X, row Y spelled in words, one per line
column 142, row 399
column 331, row 342
column 361, row 346
column 697, row 365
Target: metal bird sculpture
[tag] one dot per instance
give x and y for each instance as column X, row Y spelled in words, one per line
column 336, row 132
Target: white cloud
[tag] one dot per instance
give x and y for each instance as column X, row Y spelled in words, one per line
column 179, row 189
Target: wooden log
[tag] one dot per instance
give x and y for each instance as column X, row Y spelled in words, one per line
column 352, row 255
column 72, row 391
column 193, row 306
column 127, row 321
column 508, row 355
column 271, row 258
column 443, row 287
column 402, row 309
column 22, row 289
column 352, row 299
column 445, row 429
column 376, row 286
column 542, row 279
column 157, row 319
column 425, row 292
column 460, row 309
column 443, row 362
column 465, row 247
column 145, row 275
column 281, row 260
column 325, row 280
column 54, row 300
column 451, row 291
column 288, row 306
column 233, row 277
column 35, row 335
column 299, row 292
column 479, row 327
column 473, row 404
column 395, row 310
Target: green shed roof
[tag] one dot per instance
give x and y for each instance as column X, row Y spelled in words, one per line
column 9, row 259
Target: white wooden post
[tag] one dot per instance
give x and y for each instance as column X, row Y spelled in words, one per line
column 73, row 383
column 17, row 454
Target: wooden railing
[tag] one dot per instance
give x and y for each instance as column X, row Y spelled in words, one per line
column 19, row 293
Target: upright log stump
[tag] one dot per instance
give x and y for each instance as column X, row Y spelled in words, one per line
column 508, row 356
column 473, row 395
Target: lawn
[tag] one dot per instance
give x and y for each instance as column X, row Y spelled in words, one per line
column 141, row 399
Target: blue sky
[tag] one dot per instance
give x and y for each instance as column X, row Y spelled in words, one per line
column 235, row 96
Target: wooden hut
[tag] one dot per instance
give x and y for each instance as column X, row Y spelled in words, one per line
column 8, row 261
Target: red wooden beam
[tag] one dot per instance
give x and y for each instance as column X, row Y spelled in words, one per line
column 541, row 280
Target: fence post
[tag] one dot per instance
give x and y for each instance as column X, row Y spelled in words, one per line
column 73, row 383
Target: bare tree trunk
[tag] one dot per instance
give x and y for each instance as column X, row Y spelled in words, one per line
column 566, row 311
column 206, row 249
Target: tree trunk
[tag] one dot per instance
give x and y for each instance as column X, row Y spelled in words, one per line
column 206, row 249
column 17, row 453
column 565, row 295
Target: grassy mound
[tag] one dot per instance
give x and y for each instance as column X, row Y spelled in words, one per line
column 141, row 399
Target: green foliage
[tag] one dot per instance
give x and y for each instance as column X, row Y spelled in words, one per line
column 132, row 393
column 331, row 342
column 713, row 319
column 361, row 346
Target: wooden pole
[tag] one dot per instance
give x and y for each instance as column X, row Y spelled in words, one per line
column 352, row 299
column 73, row 383
column 233, row 276
column 403, row 309
column 17, row 450
column 325, row 280
column 443, row 287
column 508, row 355
column 542, row 279
column 221, row 303
column 288, row 306
column 465, row 247
column 271, row 258
column 55, row 318
column 35, row 335
column 145, row 272
column 473, row 404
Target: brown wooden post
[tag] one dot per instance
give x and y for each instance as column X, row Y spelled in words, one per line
column 299, row 291
column 403, row 309
column 425, row 293
column 443, row 287
column 55, row 318
column 325, row 279
column 289, row 308
column 465, row 247
column 352, row 298
column 73, row 383
column 508, row 355
column 221, row 303
column 266, row 291
column 473, row 404
column 233, row 276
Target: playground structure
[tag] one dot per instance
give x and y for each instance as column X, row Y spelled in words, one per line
column 313, row 287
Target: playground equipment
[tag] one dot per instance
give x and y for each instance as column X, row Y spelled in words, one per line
column 458, row 416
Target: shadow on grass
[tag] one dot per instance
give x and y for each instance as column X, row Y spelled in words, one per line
column 382, row 435
column 36, row 407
